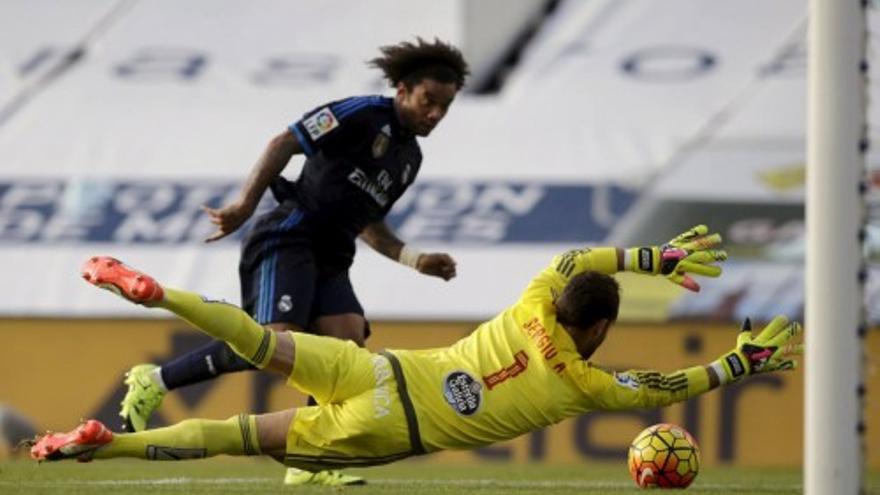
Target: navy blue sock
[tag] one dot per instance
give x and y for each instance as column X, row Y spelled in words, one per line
column 204, row 363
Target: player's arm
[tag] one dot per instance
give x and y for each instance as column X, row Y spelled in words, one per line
column 380, row 237
column 688, row 253
column 772, row 350
column 337, row 126
column 275, row 157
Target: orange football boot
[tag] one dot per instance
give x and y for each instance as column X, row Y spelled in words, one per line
column 79, row 443
column 111, row 274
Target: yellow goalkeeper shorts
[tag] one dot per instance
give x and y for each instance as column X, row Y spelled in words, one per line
column 360, row 419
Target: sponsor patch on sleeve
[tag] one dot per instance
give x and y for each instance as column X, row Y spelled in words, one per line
column 320, row 123
column 626, row 380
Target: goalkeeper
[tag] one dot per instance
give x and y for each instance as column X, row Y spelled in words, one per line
column 523, row 370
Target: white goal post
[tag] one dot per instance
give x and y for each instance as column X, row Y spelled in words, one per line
column 835, row 268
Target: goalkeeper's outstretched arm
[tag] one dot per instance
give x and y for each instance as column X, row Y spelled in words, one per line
column 689, row 253
column 773, row 349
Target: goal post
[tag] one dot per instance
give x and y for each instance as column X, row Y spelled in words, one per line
column 835, row 268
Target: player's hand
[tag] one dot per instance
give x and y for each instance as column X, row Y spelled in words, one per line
column 774, row 349
column 227, row 219
column 436, row 264
column 688, row 253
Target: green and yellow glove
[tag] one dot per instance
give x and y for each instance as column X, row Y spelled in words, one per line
column 772, row 350
column 689, row 253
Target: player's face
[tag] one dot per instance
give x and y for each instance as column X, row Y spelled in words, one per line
column 424, row 105
column 591, row 338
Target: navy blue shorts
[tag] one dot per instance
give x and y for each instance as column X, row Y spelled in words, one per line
column 282, row 278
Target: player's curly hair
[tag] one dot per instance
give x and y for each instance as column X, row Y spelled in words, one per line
column 409, row 63
column 587, row 298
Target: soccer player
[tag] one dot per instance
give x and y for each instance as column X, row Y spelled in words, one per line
column 362, row 154
column 525, row 369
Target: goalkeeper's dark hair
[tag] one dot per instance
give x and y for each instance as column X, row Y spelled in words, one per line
column 409, row 63
column 588, row 298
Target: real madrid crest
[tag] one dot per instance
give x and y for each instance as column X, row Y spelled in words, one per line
column 380, row 144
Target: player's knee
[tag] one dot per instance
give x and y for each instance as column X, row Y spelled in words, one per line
column 350, row 334
column 272, row 431
column 353, row 335
column 344, row 327
column 283, row 355
column 283, row 326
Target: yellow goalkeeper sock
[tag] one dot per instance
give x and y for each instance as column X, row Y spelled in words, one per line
column 226, row 322
column 189, row 439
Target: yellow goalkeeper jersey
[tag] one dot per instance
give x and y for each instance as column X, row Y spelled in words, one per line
column 521, row 371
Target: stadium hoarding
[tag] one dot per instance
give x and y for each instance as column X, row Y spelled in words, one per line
column 499, row 230
column 168, row 212
column 752, row 193
column 731, row 425
column 504, row 231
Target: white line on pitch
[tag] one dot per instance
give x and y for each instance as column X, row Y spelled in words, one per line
column 413, row 481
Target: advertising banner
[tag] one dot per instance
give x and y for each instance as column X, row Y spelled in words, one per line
column 499, row 230
column 756, row 423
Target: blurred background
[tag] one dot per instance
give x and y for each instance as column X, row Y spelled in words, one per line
column 594, row 122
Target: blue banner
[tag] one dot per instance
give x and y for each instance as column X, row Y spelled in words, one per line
column 164, row 212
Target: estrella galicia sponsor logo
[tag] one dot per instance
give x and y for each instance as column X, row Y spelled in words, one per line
column 462, row 392
column 626, row 380
column 736, row 365
column 646, row 259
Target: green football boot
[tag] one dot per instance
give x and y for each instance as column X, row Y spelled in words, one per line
column 296, row 476
column 143, row 397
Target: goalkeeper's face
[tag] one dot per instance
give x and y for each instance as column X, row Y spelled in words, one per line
column 587, row 308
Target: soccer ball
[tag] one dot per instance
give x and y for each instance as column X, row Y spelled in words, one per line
column 664, row 456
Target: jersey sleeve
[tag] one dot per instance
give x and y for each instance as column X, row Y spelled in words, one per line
column 331, row 127
column 612, row 390
column 553, row 279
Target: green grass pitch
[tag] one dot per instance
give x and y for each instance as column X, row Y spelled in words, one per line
column 419, row 476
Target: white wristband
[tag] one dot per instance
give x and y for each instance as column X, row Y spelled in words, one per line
column 409, row 256
column 720, row 372
column 627, row 260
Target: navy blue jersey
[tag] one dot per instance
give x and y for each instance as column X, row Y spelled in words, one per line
column 359, row 162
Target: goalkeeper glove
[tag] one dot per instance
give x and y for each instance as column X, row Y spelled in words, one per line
column 688, row 253
column 771, row 350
